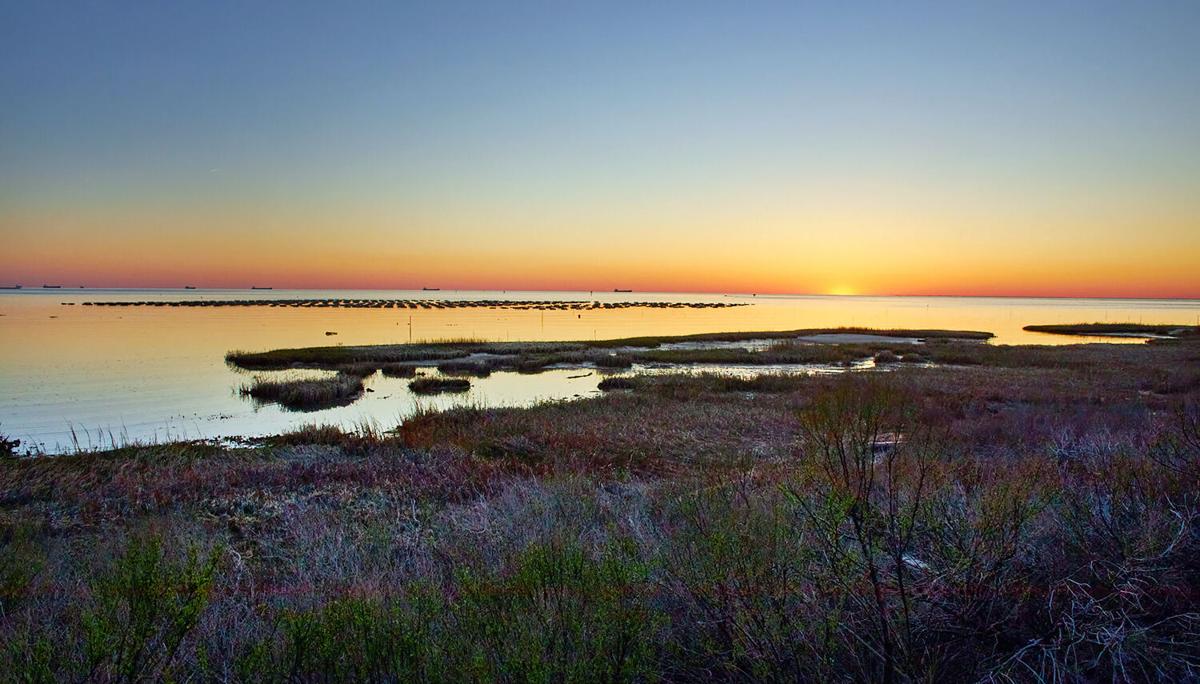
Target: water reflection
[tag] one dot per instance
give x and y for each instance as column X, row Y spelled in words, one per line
column 158, row 373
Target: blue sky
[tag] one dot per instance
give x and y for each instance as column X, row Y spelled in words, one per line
column 510, row 107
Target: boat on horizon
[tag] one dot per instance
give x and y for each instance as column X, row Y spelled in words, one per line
column 51, row 287
column 617, row 289
column 10, row 287
column 252, row 287
column 189, row 287
column 432, row 289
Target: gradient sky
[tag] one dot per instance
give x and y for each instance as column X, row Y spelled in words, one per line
column 1040, row 148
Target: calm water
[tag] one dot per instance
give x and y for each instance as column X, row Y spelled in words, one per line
column 146, row 373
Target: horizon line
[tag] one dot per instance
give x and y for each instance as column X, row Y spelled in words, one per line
column 49, row 289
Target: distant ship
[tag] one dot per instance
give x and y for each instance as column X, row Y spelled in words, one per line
column 260, row 288
column 10, row 287
column 432, row 289
column 617, row 289
column 189, row 287
column 52, row 287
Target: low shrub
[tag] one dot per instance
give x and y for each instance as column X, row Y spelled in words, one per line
column 142, row 609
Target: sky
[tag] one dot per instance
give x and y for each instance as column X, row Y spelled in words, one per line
column 1019, row 148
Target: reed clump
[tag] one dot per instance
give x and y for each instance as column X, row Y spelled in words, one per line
column 439, row 385
column 618, row 361
column 307, row 394
column 886, row 356
column 398, row 370
column 610, row 384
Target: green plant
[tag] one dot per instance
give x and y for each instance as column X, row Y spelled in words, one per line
column 358, row 639
column 740, row 575
column 20, row 562
column 559, row 616
column 28, row 657
column 143, row 608
column 870, row 470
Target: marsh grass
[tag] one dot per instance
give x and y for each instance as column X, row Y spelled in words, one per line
column 655, row 341
column 766, row 382
column 529, row 356
column 307, row 394
column 361, row 437
column 334, row 358
column 398, row 370
column 987, row 523
column 359, row 369
column 438, row 385
column 1100, row 329
column 886, row 356
column 777, row 354
column 478, row 369
column 616, row 361
column 610, row 384
column 772, row 383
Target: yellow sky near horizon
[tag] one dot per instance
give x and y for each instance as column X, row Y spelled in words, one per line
column 875, row 247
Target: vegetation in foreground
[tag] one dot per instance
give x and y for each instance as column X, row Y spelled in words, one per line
column 981, row 523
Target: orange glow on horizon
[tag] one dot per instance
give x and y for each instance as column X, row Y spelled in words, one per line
column 698, row 252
